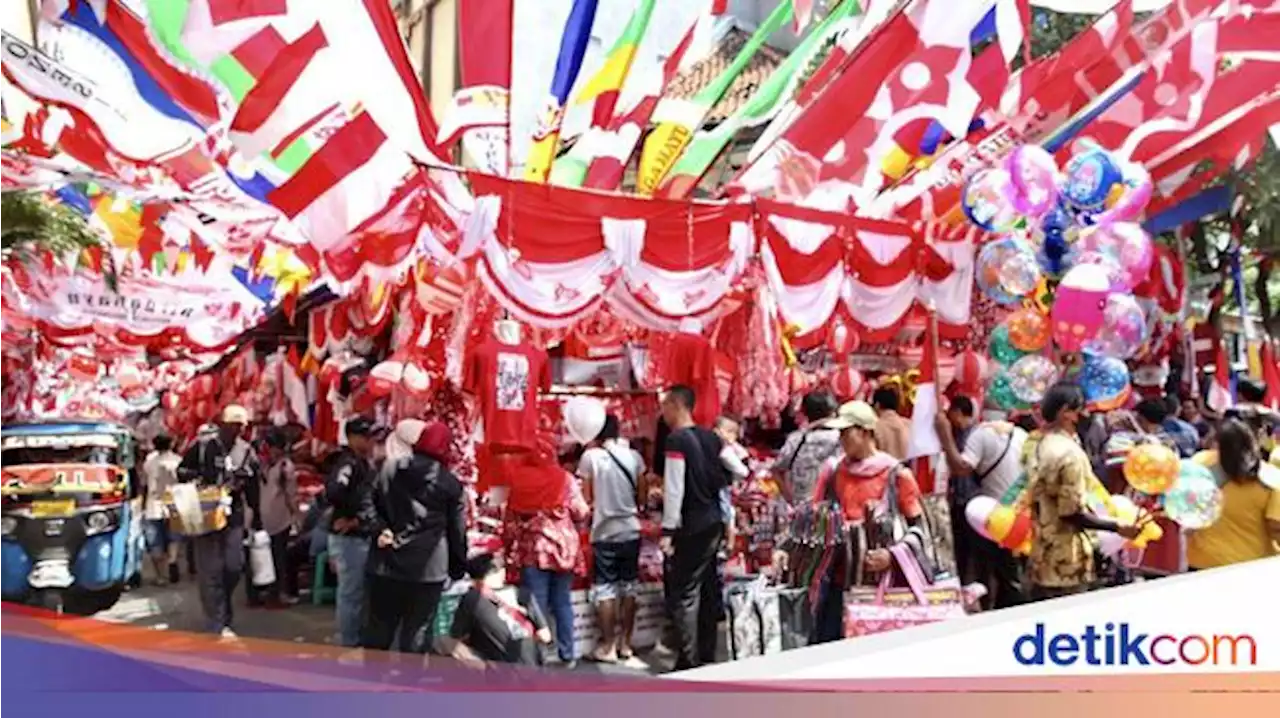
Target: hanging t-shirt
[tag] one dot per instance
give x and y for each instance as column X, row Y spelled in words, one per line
column 691, row 361
column 505, row 380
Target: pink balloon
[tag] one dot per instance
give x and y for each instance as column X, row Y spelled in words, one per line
column 1126, row 243
column 1033, row 172
column 1137, row 194
column 1078, row 306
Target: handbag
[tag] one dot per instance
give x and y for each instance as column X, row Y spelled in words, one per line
column 795, row 617
column 744, row 623
column 884, row 608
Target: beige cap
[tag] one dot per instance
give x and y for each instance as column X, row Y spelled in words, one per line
column 235, row 414
column 853, row 414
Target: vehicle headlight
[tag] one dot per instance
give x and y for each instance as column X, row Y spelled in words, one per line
column 100, row 521
column 9, row 525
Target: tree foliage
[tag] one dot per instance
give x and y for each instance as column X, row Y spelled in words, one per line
column 32, row 223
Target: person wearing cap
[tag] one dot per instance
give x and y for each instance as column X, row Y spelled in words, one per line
column 347, row 485
column 415, row 510
column 860, row 482
column 226, row 460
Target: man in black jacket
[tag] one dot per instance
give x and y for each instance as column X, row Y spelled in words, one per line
column 227, row 461
column 692, row 528
column 347, row 485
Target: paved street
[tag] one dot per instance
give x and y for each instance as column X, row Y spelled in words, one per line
column 177, row 608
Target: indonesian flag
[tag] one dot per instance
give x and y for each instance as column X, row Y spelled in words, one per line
column 923, row 440
column 1270, row 374
column 1220, row 396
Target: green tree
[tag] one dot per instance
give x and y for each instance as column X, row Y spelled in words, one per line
column 32, row 224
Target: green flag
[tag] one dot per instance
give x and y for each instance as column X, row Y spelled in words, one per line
column 707, row 145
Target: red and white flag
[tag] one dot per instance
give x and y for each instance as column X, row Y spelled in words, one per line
column 923, row 439
column 1220, row 397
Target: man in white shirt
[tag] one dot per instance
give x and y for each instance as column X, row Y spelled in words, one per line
column 159, row 473
column 990, row 462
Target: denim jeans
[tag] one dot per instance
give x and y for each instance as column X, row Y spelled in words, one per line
column 552, row 592
column 349, row 555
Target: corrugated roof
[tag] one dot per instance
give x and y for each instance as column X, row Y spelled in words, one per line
column 764, row 62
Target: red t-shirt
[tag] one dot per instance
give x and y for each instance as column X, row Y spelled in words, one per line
column 505, row 381
column 691, row 361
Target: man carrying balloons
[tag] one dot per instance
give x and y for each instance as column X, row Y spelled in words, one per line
column 1061, row 562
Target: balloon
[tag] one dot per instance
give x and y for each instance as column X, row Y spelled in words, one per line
column 1118, row 277
column 991, row 272
column 1124, row 329
column 1104, row 381
column 1195, row 501
column 1031, row 376
column 1053, row 255
column 1020, row 273
column 1001, row 347
column 1009, row 527
column 1151, row 468
column 584, row 418
column 1135, row 193
column 986, row 200
column 1029, row 330
column 977, row 511
column 1033, row 173
column 1078, row 306
column 1090, row 177
column 1124, row 242
column 842, row 340
column 1000, row 392
column 1126, row 512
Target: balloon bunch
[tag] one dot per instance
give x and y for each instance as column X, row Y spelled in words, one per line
column 1068, row 256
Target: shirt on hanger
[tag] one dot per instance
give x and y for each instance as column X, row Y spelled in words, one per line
column 505, row 380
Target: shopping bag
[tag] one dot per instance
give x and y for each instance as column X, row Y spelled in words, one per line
column 795, row 617
column 884, row 608
column 937, row 511
column 744, row 623
column 767, row 604
column 262, row 569
column 197, row 511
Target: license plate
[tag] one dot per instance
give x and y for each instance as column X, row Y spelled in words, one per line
column 53, row 509
column 53, row 574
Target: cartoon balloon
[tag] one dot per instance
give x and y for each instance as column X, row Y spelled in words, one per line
column 1124, row 328
column 1151, row 468
column 1104, row 381
column 986, row 200
column 1020, row 273
column 1078, row 306
column 1029, row 330
column 1124, row 242
column 1194, row 501
column 1118, row 277
column 1090, row 176
column 991, row 272
column 1031, row 376
column 1135, row 194
column 1000, row 392
column 1000, row 346
column 1034, row 174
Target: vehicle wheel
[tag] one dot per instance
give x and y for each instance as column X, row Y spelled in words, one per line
column 51, row 600
column 88, row 603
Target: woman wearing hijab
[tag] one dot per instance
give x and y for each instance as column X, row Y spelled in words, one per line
column 543, row 504
column 420, row 535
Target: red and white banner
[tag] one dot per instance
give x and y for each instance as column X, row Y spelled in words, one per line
column 480, row 110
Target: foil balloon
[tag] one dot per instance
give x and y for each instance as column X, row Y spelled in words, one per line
column 1000, row 346
column 991, row 274
column 1195, row 501
column 1104, row 381
column 1124, row 329
column 1151, row 468
column 1033, row 174
column 1089, row 179
column 1028, row 329
column 1079, row 305
column 1020, row 274
column 1118, row 277
column 1127, row 244
column 1133, row 197
column 986, row 200
column 1031, row 376
column 1000, row 392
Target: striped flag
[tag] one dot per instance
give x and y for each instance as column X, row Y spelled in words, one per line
column 923, row 440
column 677, row 120
column 763, row 106
column 1221, row 391
column 573, row 46
column 613, row 147
column 603, row 88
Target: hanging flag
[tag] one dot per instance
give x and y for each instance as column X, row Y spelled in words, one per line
column 573, row 45
column 803, row 13
column 677, row 120
column 1270, row 373
column 763, row 106
column 613, row 146
column 923, row 439
column 603, row 88
column 479, row 114
column 1221, row 395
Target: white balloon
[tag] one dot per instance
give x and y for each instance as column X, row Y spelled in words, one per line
column 977, row 511
column 584, row 417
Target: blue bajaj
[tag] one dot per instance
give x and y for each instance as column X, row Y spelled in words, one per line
column 70, row 515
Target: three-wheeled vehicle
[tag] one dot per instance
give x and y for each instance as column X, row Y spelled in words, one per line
column 70, row 510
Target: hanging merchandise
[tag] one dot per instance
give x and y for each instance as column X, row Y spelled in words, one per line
column 504, row 376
